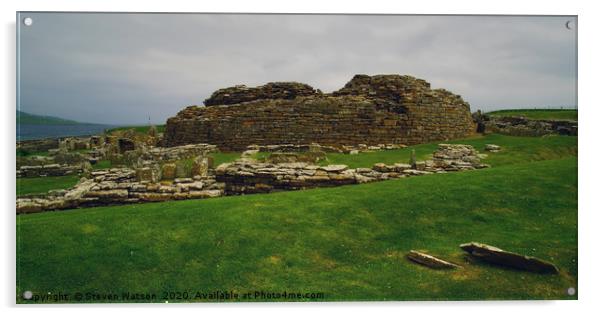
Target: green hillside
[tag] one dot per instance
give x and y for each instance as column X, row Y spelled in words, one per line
column 33, row 119
column 348, row 242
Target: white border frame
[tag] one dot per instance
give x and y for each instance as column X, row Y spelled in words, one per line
column 589, row 209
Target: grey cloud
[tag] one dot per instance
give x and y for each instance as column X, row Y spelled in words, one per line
column 122, row 68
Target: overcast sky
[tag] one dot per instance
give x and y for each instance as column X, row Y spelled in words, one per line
column 123, row 68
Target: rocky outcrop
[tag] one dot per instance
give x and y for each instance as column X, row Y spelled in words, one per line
column 505, row 258
column 272, row 90
column 385, row 109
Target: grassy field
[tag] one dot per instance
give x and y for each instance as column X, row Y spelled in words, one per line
column 25, row 153
column 539, row 114
column 102, row 164
column 143, row 129
column 44, row 184
column 515, row 150
column 348, row 242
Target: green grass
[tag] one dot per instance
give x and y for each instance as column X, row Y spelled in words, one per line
column 26, row 153
column 142, row 129
column 102, row 164
column 44, row 184
column 539, row 114
column 514, row 150
column 220, row 157
column 348, row 242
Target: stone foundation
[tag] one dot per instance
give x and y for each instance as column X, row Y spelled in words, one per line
column 292, row 148
column 120, row 186
column 124, row 186
column 178, row 153
column 247, row 176
column 520, row 126
column 38, row 144
column 51, row 170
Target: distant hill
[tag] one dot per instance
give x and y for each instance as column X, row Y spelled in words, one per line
column 33, row 119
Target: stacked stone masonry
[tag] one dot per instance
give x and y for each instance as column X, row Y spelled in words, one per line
column 51, row 170
column 272, row 90
column 124, row 185
column 120, row 186
column 177, row 153
column 520, row 126
column 292, row 148
column 384, row 109
column 248, row 176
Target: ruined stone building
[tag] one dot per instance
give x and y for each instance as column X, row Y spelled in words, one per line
column 381, row 109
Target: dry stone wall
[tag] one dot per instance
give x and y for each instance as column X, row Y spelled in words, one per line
column 520, row 126
column 50, row 170
column 292, row 148
column 330, row 121
column 272, row 90
column 38, row 144
column 120, row 186
column 179, row 152
column 124, row 185
column 386, row 109
column 247, row 176
column 432, row 114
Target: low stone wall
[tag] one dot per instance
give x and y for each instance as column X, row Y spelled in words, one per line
column 248, row 176
column 120, row 186
column 74, row 143
column 34, row 161
column 38, row 144
column 124, row 185
column 520, row 126
column 51, row 170
column 179, row 152
column 288, row 148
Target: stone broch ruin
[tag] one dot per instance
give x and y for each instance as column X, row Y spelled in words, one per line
column 126, row 185
column 293, row 122
column 371, row 110
column 297, row 125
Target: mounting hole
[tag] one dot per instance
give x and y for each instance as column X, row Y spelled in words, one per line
column 28, row 21
column 27, row 295
column 570, row 291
